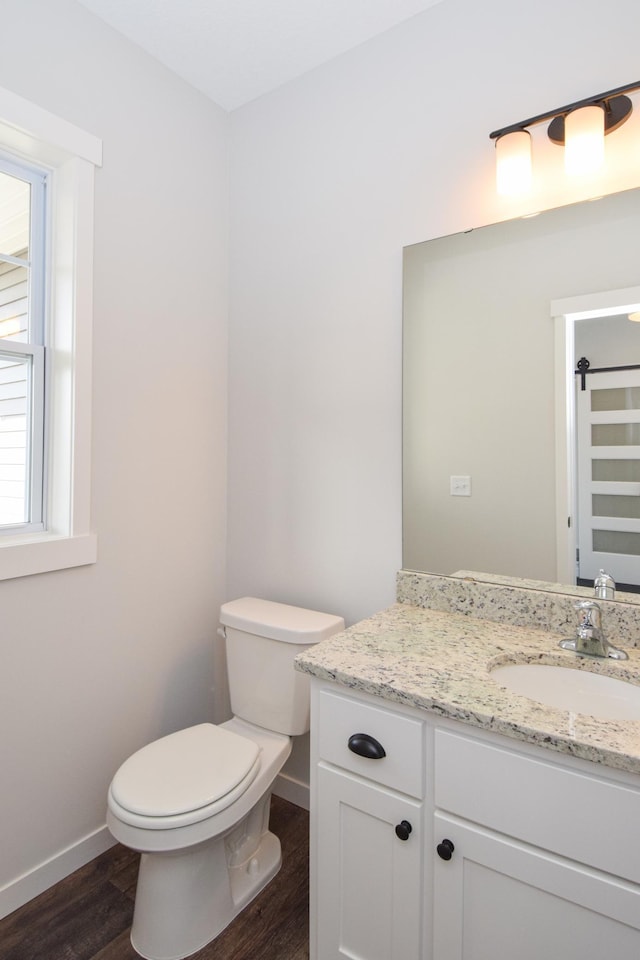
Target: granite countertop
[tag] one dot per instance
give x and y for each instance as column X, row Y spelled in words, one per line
column 441, row 662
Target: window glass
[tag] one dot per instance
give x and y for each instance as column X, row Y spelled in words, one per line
column 14, row 215
column 14, row 417
column 15, row 222
column 22, row 397
column 14, row 281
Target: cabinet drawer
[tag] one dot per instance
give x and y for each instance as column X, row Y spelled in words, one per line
column 402, row 738
column 591, row 820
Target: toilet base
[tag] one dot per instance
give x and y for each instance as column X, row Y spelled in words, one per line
column 185, row 899
column 247, row 880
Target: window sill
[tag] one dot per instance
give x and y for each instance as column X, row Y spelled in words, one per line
column 43, row 553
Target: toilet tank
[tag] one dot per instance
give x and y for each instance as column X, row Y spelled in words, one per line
column 262, row 640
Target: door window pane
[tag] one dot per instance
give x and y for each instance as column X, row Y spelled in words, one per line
column 615, row 434
column 604, row 505
column 617, row 398
column 625, row 471
column 616, row 541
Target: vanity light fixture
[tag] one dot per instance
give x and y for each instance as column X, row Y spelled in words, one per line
column 580, row 127
column 634, row 316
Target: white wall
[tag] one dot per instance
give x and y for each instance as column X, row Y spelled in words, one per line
column 98, row 660
column 331, row 176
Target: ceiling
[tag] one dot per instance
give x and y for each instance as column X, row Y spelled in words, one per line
column 237, row 50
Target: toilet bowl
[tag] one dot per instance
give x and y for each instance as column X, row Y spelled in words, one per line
column 196, row 803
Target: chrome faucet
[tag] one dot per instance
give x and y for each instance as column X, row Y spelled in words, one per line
column 589, row 640
column 604, row 586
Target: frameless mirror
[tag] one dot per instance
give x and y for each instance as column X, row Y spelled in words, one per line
column 479, row 405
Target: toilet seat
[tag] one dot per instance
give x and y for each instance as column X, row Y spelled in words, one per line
column 183, row 778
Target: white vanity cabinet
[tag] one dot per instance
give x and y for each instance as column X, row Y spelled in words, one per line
column 367, row 831
column 543, row 859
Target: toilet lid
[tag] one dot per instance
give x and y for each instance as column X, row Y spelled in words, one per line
column 184, row 771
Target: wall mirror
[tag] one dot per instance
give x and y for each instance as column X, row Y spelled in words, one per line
column 480, row 464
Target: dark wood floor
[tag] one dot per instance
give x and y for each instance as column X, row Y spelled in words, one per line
column 88, row 915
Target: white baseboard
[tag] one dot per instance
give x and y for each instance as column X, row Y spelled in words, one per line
column 36, row 881
column 295, row 791
column 24, row 888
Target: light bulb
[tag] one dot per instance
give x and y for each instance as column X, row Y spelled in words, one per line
column 584, row 140
column 513, row 163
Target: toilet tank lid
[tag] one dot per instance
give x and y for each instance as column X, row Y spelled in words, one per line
column 279, row 621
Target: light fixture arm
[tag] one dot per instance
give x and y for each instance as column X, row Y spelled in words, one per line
column 600, row 99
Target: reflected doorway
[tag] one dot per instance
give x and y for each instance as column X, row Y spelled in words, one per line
column 608, row 475
column 598, row 438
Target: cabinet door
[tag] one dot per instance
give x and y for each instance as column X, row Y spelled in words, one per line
column 497, row 899
column 369, row 886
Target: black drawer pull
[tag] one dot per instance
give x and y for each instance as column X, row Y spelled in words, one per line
column 366, row 746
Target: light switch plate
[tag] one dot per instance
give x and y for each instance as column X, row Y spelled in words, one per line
column 460, row 486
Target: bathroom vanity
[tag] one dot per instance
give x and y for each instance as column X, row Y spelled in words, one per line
column 452, row 819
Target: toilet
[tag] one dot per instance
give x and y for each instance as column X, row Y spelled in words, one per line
column 195, row 804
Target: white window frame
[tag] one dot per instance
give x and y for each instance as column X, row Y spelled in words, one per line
column 70, row 155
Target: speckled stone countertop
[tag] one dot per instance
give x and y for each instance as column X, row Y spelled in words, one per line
column 441, row 662
column 524, row 603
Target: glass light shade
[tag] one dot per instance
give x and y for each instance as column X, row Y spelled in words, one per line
column 584, row 140
column 513, row 163
column 635, row 317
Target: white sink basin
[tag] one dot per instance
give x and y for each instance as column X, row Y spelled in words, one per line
column 576, row 690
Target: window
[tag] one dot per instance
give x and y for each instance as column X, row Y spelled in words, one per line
column 22, row 346
column 46, row 263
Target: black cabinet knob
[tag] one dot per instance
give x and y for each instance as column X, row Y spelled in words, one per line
column 445, row 849
column 403, row 829
column 366, row 746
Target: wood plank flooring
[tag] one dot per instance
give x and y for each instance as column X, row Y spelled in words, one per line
column 87, row 916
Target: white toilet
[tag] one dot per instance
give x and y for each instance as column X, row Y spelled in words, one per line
column 196, row 803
